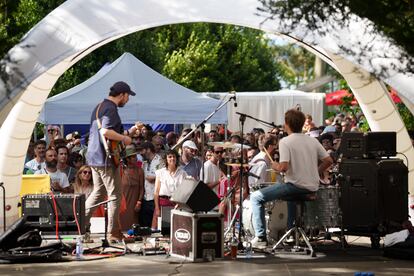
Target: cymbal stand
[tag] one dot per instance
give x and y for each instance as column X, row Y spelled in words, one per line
column 242, row 119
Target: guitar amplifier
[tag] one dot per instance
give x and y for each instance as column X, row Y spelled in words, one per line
column 39, row 211
column 196, row 236
column 368, row 145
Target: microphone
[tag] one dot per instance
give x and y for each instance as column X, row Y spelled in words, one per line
column 298, row 107
column 253, row 175
column 234, row 98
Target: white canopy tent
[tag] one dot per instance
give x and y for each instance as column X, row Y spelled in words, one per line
column 78, row 27
column 158, row 100
column 271, row 107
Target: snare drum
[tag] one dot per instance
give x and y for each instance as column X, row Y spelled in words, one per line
column 276, row 214
column 324, row 211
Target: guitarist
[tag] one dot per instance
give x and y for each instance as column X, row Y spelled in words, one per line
column 106, row 125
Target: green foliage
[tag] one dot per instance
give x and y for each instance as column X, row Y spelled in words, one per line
column 296, row 64
column 392, row 18
column 406, row 116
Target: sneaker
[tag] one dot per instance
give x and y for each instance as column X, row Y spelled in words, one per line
column 259, row 242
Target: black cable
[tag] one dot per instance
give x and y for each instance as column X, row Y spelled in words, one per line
column 406, row 158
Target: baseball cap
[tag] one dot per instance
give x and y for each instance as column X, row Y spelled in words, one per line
column 121, row 87
column 190, row 144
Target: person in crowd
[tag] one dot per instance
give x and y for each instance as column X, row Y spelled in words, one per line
column 213, row 136
column 147, row 133
column 62, row 157
column 160, row 133
column 58, row 180
column 152, row 163
column 208, row 154
column 299, row 157
column 75, row 144
column 250, row 139
column 83, row 181
column 235, row 139
column 309, row 124
column 261, row 163
column 53, row 133
column 30, row 154
column 189, row 161
column 166, row 182
column 158, row 143
column 257, row 132
column 75, row 160
column 212, row 173
column 171, row 140
column 38, row 162
column 132, row 188
column 106, row 124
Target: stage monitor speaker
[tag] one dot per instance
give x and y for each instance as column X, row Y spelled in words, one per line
column 369, row 144
column 195, row 196
column 374, row 193
column 39, row 211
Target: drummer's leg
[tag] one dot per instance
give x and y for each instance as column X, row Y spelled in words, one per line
column 258, row 199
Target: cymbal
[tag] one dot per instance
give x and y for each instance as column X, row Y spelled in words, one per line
column 228, row 145
column 236, row 164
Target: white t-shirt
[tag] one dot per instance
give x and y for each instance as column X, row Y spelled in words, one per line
column 212, row 174
column 170, row 182
column 149, row 170
column 56, row 177
column 258, row 167
column 302, row 152
column 34, row 166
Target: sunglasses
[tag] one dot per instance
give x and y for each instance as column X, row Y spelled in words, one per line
column 218, row 152
column 51, row 130
column 86, row 172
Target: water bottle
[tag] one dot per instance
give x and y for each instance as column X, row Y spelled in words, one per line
column 79, row 248
column 234, row 243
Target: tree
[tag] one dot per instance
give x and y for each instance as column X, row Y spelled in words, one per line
column 392, row 18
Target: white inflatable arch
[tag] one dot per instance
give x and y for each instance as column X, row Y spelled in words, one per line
column 78, row 27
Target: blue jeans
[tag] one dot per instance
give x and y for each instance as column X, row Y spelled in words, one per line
column 284, row 191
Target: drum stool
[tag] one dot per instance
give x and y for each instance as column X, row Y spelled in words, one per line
column 298, row 228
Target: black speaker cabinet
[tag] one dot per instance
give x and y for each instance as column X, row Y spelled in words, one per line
column 368, row 145
column 374, row 193
column 39, row 211
column 195, row 196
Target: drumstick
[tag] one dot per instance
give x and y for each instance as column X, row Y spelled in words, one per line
column 268, row 155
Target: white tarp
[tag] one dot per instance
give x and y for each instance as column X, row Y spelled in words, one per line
column 271, row 107
column 158, row 99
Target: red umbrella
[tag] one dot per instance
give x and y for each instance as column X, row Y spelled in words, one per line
column 394, row 96
column 336, row 97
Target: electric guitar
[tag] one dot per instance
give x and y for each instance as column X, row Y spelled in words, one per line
column 115, row 150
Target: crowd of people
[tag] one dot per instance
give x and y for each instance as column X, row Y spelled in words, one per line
column 153, row 166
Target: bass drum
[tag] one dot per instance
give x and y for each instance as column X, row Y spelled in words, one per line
column 276, row 218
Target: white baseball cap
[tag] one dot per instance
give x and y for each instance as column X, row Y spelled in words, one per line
column 190, row 144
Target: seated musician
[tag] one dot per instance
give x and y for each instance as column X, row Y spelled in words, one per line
column 299, row 156
column 261, row 162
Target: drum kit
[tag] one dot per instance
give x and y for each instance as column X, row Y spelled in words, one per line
column 322, row 213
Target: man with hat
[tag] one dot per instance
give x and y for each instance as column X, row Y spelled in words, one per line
column 189, row 162
column 106, row 125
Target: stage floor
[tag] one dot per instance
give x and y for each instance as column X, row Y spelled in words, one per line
column 330, row 260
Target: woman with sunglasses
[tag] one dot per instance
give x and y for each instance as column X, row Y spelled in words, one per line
column 83, row 181
column 166, row 182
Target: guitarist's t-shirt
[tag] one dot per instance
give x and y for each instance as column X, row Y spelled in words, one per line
column 108, row 114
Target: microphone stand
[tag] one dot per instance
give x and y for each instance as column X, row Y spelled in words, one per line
column 202, row 127
column 271, row 124
column 242, row 119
